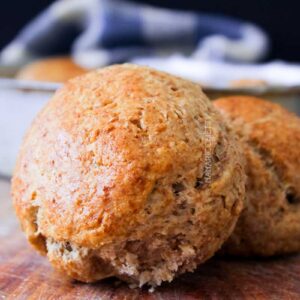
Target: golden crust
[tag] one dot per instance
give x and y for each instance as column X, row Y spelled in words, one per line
column 271, row 140
column 55, row 69
column 248, row 83
column 128, row 158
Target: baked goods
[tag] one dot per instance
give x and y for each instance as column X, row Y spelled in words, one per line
column 248, row 83
column 128, row 172
column 55, row 69
column 270, row 223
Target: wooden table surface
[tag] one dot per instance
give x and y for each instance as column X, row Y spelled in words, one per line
column 26, row 275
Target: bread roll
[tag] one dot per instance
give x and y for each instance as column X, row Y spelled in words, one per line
column 248, row 83
column 270, row 135
column 55, row 69
column 128, row 172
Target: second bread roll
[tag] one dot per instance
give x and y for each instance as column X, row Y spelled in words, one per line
column 270, row 135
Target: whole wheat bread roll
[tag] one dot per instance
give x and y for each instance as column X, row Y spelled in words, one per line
column 128, row 172
column 54, row 69
column 270, row 135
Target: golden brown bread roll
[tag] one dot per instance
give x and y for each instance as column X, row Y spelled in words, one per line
column 248, row 83
column 270, row 223
column 128, row 172
column 55, row 69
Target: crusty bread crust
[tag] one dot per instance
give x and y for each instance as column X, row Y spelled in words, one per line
column 270, row 224
column 128, row 172
column 55, row 69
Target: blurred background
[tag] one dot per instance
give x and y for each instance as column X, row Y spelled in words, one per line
column 280, row 19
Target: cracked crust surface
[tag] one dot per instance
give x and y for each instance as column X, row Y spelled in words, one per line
column 128, row 172
column 55, row 69
column 270, row 223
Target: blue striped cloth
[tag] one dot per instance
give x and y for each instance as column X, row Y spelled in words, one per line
column 102, row 32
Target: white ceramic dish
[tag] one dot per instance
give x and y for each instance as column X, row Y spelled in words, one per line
column 19, row 103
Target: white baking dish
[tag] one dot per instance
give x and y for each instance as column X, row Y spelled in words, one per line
column 19, row 103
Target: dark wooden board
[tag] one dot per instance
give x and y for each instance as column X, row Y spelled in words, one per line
column 26, row 275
